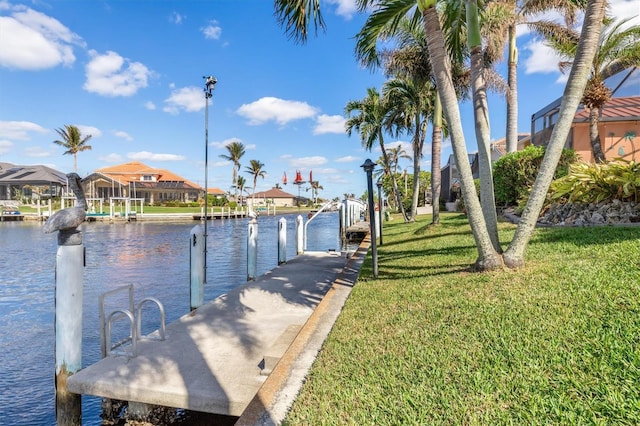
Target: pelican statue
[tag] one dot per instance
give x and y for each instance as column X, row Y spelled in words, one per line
column 69, row 219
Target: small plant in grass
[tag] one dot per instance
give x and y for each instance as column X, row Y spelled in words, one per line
column 593, row 183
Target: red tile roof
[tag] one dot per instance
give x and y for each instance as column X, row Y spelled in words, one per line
column 130, row 172
column 617, row 109
column 274, row 193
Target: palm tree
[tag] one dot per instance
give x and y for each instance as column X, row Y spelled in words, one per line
column 315, row 187
column 410, row 107
column 410, row 59
column 370, row 123
column 240, row 186
column 296, row 16
column 73, row 141
column 574, row 90
column 255, row 169
column 500, row 19
column 396, row 154
column 618, row 49
column 235, row 151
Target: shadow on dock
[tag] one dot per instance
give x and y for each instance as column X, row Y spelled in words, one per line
column 221, row 362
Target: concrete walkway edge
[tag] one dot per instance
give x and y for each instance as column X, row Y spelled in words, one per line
column 278, row 392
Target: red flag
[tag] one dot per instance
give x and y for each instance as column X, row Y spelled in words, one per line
column 284, row 178
column 310, row 176
column 298, row 180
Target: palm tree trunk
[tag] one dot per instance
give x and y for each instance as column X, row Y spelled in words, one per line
column 436, row 176
column 417, row 154
column 393, row 177
column 488, row 258
column 512, row 93
column 594, row 135
column 481, row 118
column 514, row 256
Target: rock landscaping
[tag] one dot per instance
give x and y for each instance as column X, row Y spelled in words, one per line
column 604, row 213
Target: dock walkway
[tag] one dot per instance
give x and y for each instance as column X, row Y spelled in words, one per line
column 216, row 358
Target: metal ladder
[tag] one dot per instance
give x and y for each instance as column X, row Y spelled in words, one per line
column 134, row 316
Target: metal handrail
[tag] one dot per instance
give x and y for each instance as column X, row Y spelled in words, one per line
column 133, row 335
column 162, row 330
column 304, row 238
column 103, row 324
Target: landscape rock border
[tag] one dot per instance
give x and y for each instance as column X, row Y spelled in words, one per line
column 613, row 212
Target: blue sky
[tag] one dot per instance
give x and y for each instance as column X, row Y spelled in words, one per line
column 130, row 74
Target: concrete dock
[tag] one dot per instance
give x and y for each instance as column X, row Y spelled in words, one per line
column 217, row 358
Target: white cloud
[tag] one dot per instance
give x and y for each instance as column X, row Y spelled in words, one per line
column 112, row 158
column 146, row 155
column 34, row 41
column 346, row 8
column 329, row 124
column 19, row 130
column 188, row 99
column 34, row 151
column 347, row 159
column 306, row 162
column 542, row 58
column 112, row 75
column 150, row 105
column 212, row 31
column 89, row 130
column 176, row 18
column 279, row 110
column 123, row 135
column 5, row 146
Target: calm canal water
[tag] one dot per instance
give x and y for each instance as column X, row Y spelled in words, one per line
column 152, row 256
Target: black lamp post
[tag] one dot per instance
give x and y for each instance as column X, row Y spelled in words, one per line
column 209, row 85
column 368, row 167
column 380, row 206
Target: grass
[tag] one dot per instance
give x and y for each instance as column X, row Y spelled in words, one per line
column 430, row 342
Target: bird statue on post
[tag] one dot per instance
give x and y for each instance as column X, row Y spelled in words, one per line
column 70, row 218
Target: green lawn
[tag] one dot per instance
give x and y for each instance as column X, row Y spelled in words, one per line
column 431, row 342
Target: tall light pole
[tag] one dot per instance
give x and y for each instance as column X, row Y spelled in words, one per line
column 209, row 85
column 368, row 167
column 380, row 206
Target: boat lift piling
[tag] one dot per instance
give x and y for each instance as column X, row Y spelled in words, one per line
column 282, row 241
column 299, row 235
column 70, row 260
column 197, row 258
column 252, row 250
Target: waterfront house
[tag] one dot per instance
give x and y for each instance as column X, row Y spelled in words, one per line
column 277, row 197
column 136, row 180
column 33, row 182
column 619, row 121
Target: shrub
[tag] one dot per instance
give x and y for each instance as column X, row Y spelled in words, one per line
column 515, row 173
column 593, row 183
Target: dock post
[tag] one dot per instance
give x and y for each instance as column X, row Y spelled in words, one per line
column 252, row 250
column 299, row 235
column 197, row 257
column 282, row 241
column 341, row 215
column 68, row 324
